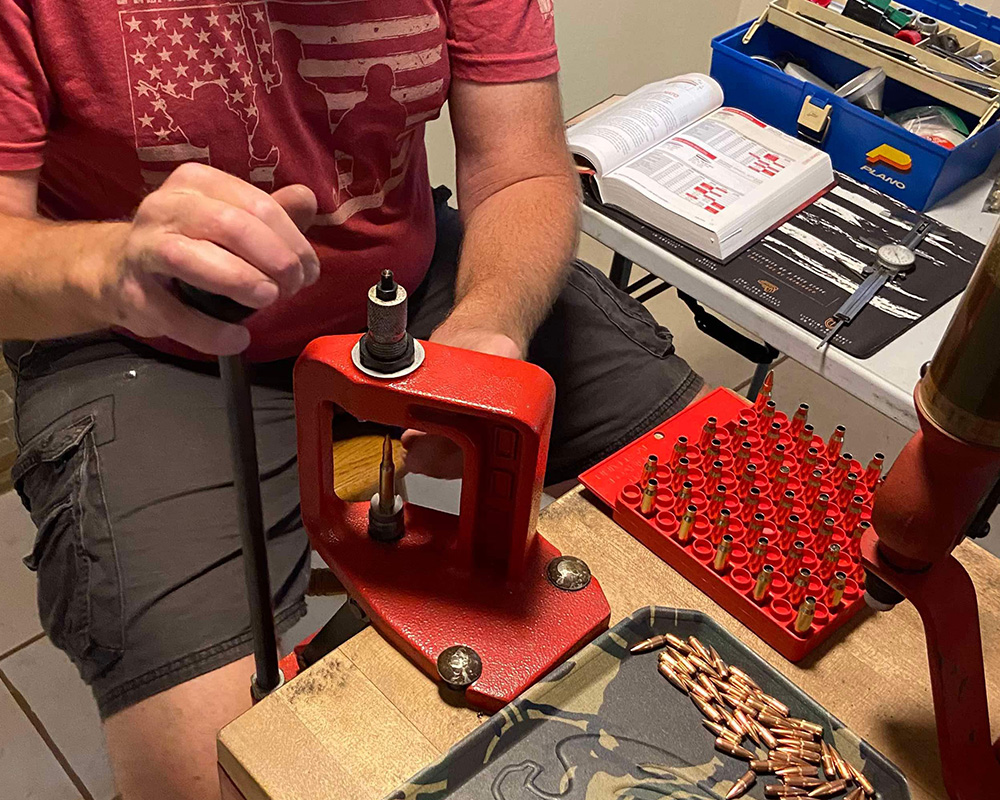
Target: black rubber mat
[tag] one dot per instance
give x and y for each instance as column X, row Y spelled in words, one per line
column 806, row 268
column 606, row 725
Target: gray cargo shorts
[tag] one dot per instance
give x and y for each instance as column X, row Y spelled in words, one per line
column 124, row 466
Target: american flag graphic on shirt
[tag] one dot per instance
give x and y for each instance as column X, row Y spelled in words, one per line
column 198, row 69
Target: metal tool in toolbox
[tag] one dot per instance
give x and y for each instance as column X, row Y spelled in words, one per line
column 479, row 601
column 943, row 488
column 891, row 262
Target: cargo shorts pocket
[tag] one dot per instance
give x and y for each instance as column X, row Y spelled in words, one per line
column 623, row 311
column 80, row 601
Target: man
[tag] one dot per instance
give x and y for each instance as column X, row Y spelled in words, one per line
column 142, row 144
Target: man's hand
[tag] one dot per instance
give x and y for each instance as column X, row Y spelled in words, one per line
column 217, row 233
column 518, row 196
column 438, row 456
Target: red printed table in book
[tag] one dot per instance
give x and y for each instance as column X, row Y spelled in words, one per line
column 807, row 499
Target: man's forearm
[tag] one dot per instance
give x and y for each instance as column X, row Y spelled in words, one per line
column 517, row 247
column 52, row 276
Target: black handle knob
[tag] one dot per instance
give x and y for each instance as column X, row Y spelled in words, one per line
column 217, row 306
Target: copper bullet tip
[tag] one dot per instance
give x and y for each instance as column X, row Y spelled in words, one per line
column 386, row 479
column 652, row 643
column 741, row 786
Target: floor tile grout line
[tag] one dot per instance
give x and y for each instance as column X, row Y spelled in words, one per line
column 20, row 647
column 36, row 723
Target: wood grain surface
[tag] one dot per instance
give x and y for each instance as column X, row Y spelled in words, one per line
column 363, row 719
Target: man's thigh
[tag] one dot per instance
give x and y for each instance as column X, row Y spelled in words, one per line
column 615, row 368
column 616, row 372
column 125, row 469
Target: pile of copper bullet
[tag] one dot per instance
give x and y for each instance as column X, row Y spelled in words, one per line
column 753, row 726
column 769, row 497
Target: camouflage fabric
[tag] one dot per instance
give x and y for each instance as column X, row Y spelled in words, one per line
column 606, row 726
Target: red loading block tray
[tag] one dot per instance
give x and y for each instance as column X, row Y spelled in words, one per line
column 615, row 481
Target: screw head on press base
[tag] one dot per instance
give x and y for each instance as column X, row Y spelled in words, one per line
column 459, row 666
column 569, row 573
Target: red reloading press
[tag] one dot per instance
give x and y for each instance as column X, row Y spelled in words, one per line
column 479, row 601
column 941, row 489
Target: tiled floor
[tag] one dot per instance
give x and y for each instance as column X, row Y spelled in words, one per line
column 50, row 740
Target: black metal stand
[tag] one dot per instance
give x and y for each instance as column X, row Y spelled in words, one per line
column 760, row 353
column 243, row 444
column 621, row 271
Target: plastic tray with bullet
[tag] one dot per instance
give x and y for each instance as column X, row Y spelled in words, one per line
column 753, row 508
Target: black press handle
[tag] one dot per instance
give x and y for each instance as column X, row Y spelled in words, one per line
column 217, row 306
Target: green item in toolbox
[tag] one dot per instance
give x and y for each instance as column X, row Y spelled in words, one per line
column 901, row 16
column 606, row 724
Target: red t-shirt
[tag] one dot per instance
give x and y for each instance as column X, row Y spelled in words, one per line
column 108, row 98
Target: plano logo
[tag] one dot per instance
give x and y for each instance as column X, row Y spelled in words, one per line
column 891, row 157
column 883, row 177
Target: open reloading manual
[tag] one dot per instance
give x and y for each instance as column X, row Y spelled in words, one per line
column 717, row 178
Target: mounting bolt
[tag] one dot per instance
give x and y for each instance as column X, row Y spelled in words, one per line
column 459, row 666
column 569, row 573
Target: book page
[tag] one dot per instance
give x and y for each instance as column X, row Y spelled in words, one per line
column 727, row 162
column 647, row 116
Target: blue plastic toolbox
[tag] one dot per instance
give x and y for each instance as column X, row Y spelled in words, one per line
column 858, row 139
